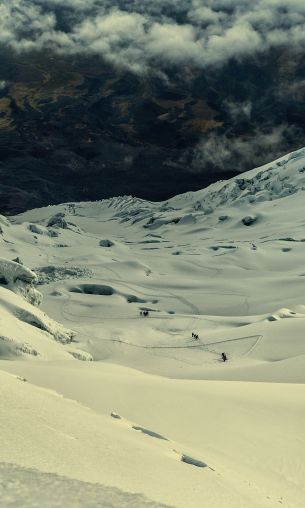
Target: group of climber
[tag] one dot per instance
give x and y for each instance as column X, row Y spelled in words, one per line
column 195, row 336
column 224, row 357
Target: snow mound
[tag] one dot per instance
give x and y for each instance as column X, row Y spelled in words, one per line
column 40, row 320
column 283, row 314
column 11, row 271
column 19, row 300
column 10, row 348
column 20, row 279
column 29, row 293
column 83, row 356
column 26, row 335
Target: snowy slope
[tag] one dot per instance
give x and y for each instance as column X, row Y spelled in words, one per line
column 31, row 488
column 226, row 263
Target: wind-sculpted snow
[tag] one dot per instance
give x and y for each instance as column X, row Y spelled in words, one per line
column 43, row 322
column 18, row 301
column 20, row 279
column 11, row 272
column 9, row 348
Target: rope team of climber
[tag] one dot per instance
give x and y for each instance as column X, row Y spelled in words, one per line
column 195, row 336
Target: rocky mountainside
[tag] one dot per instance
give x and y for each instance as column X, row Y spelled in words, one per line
column 74, row 129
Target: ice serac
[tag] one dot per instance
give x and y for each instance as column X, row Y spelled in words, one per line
column 20, row 279
column 19, row 300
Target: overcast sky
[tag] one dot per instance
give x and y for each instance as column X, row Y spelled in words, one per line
column 145, row 33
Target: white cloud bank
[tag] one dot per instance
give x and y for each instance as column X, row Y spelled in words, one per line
column 139, row 34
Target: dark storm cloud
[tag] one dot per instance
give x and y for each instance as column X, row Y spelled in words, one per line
column 141, row 34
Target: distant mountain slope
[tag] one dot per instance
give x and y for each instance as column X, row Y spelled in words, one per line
column 74, row 129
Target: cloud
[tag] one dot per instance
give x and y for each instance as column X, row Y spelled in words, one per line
column 238, row 111
column 140, row 34
column 239, row 154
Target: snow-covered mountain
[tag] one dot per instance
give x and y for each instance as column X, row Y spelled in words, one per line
column 146, row 406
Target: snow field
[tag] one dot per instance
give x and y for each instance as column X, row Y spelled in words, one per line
column 136, row 403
